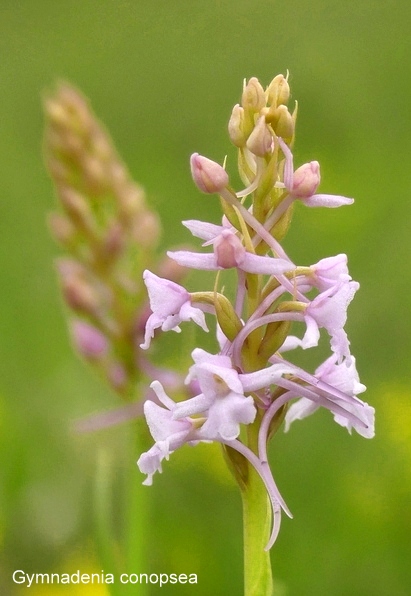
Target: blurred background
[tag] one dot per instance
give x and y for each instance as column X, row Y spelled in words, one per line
column 163, row 77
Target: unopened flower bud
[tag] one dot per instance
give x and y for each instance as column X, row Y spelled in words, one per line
column 114, row 241
column 89, row 341
column 72, row 145
column 229, row 250
column 94, row 172
column 67, row 267
column 61, row 228
column 56, row 112
column 278, row 91
column 132, row 202
column 208, row 175
column 118, row 174
column 227, row 318
column 260, row 140
column 281, row 121
column 236, row 126
column 75, row 205
column 306, row 180
column 274, row 337
column 117, row 376
column 78, row 292
column 79, row 295
column 75, row 106
column 147, row 229
column 253, row 97
column 101, row 146
column 59, row 171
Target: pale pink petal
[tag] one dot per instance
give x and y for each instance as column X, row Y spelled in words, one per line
column 194, row 260
column 204, row 230
column 321, row 200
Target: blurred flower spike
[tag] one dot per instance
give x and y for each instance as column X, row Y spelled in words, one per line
column 250, row 386
column 109, row 235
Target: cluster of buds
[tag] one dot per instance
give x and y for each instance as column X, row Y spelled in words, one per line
column 248, row 123
column 278, row 306
column 108, row 233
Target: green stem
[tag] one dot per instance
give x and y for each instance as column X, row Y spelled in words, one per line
column 258, row 579
column 106, row 547
column 129, row 556
column 137, row 504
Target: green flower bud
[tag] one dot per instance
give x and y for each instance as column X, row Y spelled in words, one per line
column 260, row 140
column 274, row 337
column 236, row 127
column 80, row 296
column 281, row 121
column 147, row 229
column 278, row 91
column 227, row 317
column 253, row 97
column 61, row 228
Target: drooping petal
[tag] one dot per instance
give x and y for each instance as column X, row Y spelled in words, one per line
column 321, row 200
column 276, row 500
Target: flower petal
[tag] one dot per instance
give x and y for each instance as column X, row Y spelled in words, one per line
column 194, row 260
column 321, row 200
column 201, row 229
column 266, row 265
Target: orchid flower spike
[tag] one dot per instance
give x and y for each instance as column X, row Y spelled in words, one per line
column 242, row 394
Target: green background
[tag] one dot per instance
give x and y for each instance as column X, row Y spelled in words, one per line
column 163, row 76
